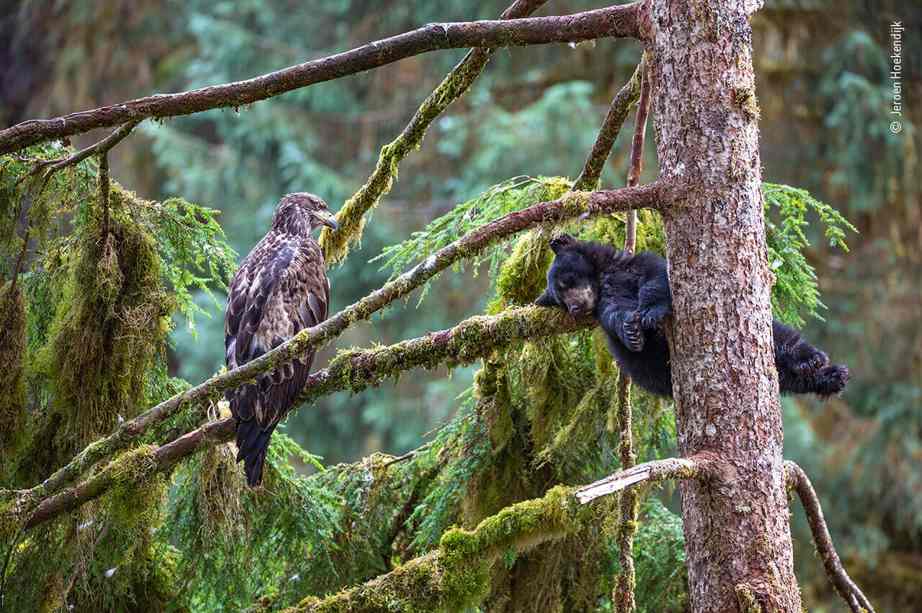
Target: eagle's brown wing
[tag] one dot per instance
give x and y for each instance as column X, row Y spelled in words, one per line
column 280, row 289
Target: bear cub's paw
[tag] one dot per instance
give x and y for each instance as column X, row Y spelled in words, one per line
column 633, row 332
column 831, row 380
column 653, row 318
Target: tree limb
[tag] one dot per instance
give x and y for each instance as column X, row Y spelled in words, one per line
column 797, row 480
column 611, row 126
column 354, row 370
column 623, row 595
column 49, row 167
column 351, row 217
column 452, row 577
column 657, row 470
column 654, row 195
column 615, row 21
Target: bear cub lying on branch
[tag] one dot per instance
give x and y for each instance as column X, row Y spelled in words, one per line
column 629, row 296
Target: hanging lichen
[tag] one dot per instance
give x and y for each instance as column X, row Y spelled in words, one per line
column 110, row 324
column 13, row 414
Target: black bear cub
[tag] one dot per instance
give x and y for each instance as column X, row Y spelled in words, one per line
column 629, row 296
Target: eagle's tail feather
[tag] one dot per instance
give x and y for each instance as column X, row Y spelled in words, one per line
column 252, row 444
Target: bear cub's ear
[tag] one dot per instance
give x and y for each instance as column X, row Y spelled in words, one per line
column 546, row 299
column 561, row 242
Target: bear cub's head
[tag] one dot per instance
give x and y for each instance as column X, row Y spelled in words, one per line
column 572, row 281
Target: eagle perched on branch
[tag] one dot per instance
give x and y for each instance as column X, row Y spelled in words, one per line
column 280, row 289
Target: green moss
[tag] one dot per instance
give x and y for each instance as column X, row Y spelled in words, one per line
column 107, row 329
column 13, row 415
column 519, row 527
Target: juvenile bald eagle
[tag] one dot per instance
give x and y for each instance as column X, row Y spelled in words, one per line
column 280, row 288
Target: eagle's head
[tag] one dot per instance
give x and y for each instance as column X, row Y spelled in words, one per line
column 302, row 213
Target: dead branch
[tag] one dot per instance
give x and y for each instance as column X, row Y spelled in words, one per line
column 654, row 195
column 351, row 217
column 657, row 470
column 611, row 126
column 48, row 167
column 623, row 595
column 614, row 21
column 797, row 480
column 637, row 146
column 471, row 339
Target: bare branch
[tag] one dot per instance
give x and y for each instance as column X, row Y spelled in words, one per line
column 654, row 195
column 657, row 470
column 611, row 126
column 637, row 146
column 614, row 21
column 101, row 148
column 797, row 479
column 471, row 339
column 351, row 217
column 623, row 595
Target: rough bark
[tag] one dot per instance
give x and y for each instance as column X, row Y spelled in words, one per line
column 737, row 531
column 618, row 21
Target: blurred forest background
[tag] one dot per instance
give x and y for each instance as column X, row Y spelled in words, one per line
column 824, row 93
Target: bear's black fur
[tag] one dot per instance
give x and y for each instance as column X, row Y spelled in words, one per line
column 629, row 296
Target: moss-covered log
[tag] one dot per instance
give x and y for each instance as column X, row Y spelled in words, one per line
column 654, row 195
column 352, row 216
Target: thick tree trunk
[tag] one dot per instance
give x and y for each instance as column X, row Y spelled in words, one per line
column 737, row 533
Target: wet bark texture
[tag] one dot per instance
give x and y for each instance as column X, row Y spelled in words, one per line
column 737, row 531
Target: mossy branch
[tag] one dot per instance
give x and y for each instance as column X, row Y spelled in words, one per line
column 351, row 370
column 613, row 21
column 798, row 481
column 351, row 217
column 575, row 204
column 456, row 576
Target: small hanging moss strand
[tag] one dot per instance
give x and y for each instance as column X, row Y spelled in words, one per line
column 13, row 416
column 352, row 216
column 611, row 126
column 456, row 576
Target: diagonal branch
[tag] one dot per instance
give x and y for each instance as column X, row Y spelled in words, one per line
column 351, row 217
column 623, row 595
column 797, row 479
column 694, row 467
column 617, row 112
column 614, row 21
column 101, row 148
column 654, row 195
column 355, row 370
column 447, row 578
